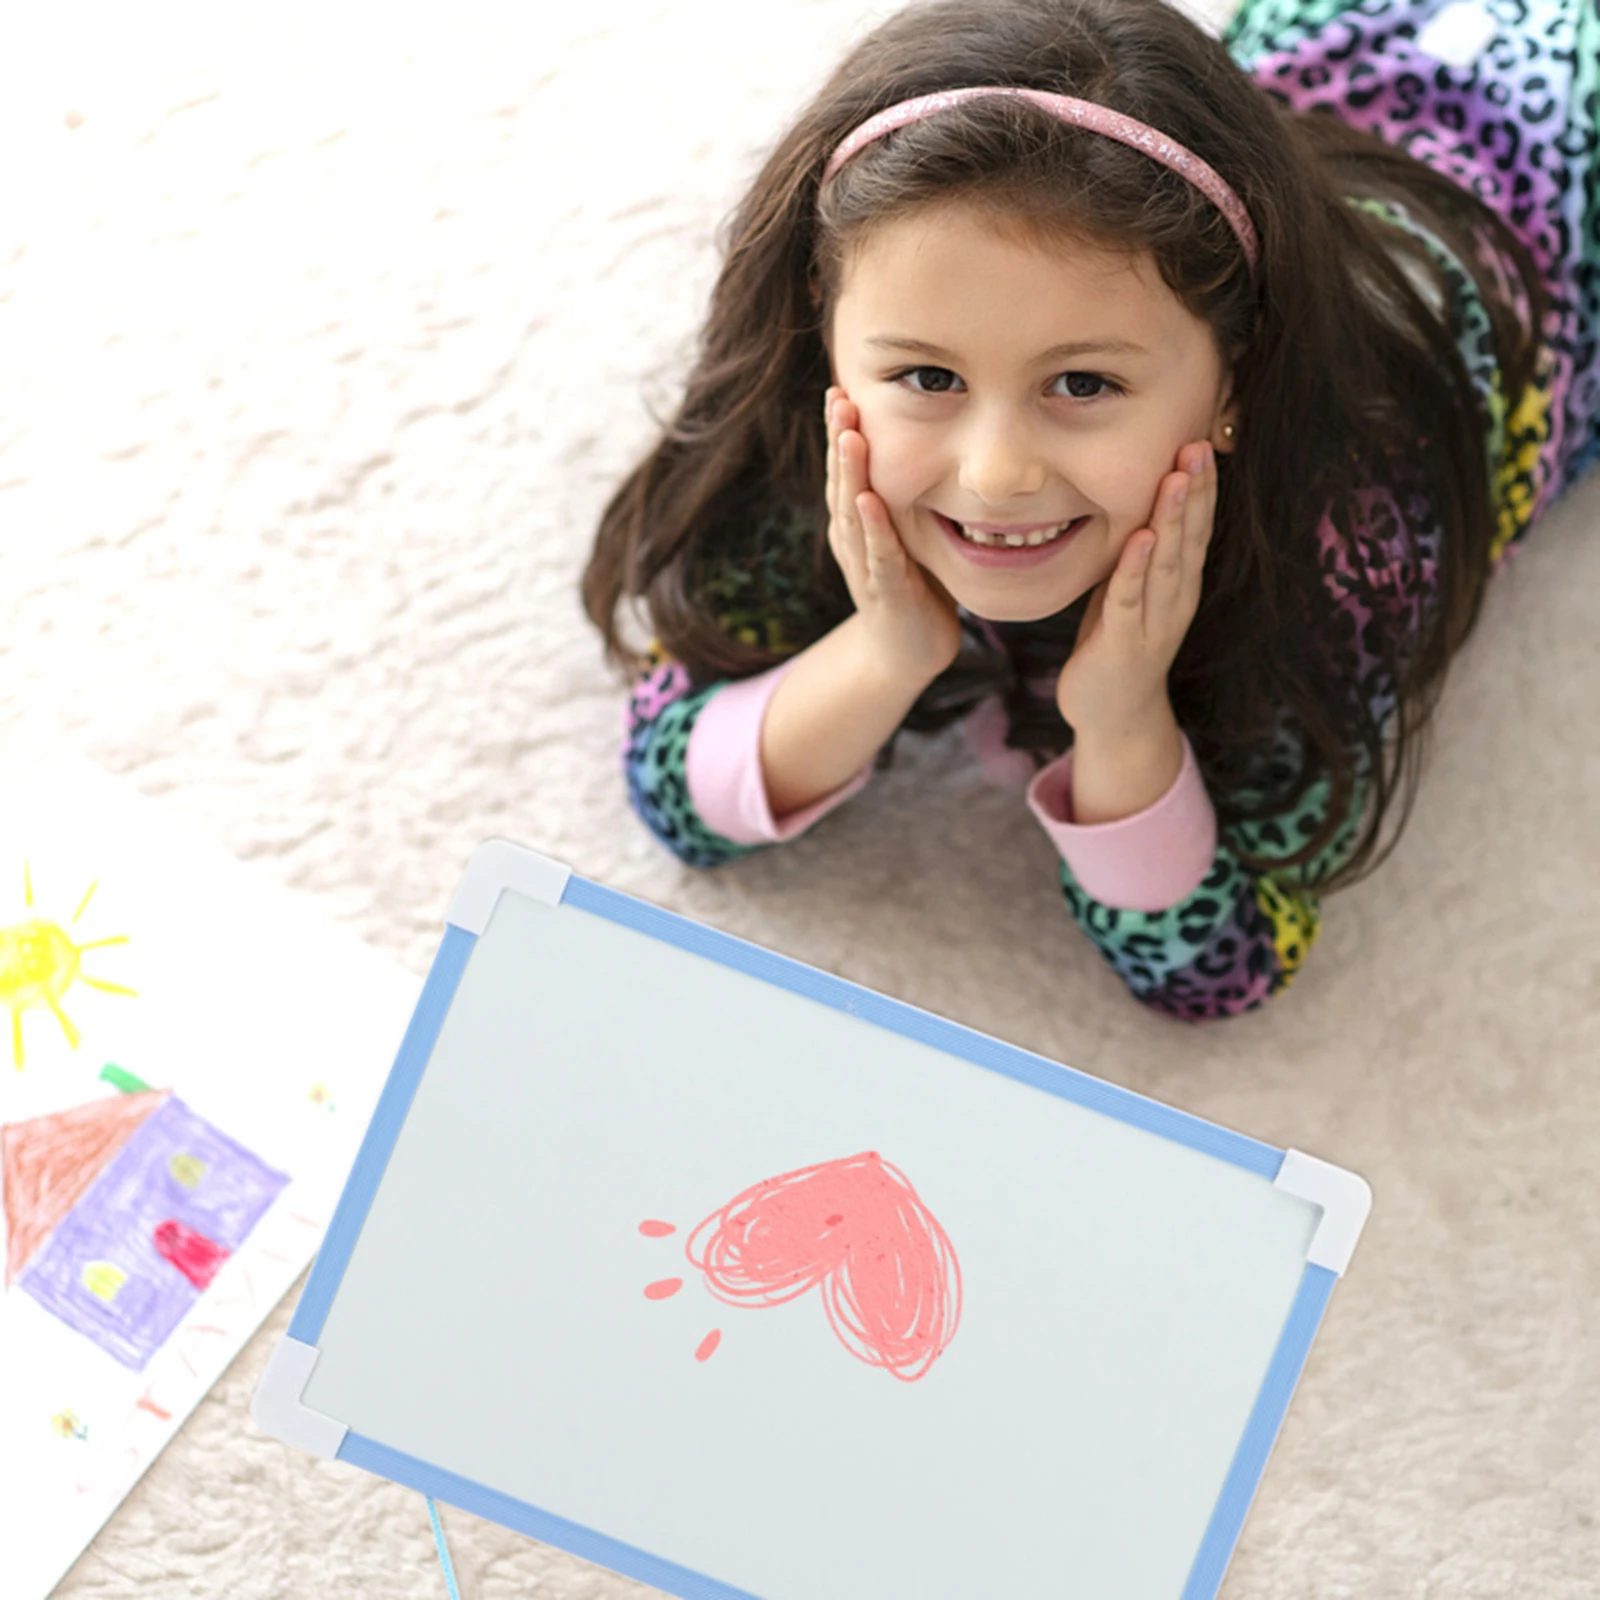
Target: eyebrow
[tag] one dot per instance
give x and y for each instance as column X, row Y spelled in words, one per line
column 1056, row 352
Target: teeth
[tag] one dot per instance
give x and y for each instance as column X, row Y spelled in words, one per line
column 1013, row 541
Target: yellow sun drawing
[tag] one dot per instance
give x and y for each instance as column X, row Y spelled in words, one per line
column 39, row 963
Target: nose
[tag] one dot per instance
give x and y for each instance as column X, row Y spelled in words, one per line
column 998, row 461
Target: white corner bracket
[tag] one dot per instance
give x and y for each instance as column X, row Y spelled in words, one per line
column 1345, row 1198
column 498, row 864
column 279, row 1410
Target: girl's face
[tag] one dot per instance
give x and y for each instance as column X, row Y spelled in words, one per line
column 1018, row 388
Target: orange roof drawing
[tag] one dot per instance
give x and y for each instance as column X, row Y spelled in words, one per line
column 49, row 1161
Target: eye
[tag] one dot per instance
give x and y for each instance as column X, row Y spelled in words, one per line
column 943, row 376
column 1088, row 385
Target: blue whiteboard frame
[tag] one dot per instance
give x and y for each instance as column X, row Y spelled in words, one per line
column 498, row 866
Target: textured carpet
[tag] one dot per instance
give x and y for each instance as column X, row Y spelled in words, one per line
column 325, row 338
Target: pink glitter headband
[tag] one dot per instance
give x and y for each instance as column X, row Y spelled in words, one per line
column 1083, row 114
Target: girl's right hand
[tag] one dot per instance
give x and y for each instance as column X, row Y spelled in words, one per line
column 907, row 612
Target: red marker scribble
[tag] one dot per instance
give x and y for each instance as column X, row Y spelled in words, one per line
column 708, row 1344
column 656, row 1230
column 194, row 1255
column 663, row 1290
column 890, row 1280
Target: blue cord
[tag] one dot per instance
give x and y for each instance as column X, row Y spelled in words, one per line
column 444, row 1550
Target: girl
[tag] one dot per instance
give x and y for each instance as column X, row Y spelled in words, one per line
column 1168, row 401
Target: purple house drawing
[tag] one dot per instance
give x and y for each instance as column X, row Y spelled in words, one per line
column 119, row 1214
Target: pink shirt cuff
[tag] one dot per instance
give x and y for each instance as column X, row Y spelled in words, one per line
column 722, row 767
column 1147, row 862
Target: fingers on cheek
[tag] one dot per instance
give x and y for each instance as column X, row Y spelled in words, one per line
column 872, row 521
column 1128, row 579
column 1181, row 491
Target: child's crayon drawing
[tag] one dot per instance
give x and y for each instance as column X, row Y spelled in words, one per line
column 68, row 1425
column 856, row 1229
column 39, row 963
column 141, row 1244
column 119, row 1213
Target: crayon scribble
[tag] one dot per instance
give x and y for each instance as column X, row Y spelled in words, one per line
column 856, row 1229
column 122, row 1080
column 68, row 1425
column 121, row 1212
column 192, row 1253
column 39, row 963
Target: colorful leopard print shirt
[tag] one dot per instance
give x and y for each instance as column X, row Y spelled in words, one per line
column 1519, row 124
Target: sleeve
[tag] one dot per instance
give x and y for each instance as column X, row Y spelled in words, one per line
column 1142, row 862
column 692, row 761
column 1230, row 937
column 691, row 754
column 661, row 713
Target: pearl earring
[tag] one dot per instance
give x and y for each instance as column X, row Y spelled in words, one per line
column 1228, row 431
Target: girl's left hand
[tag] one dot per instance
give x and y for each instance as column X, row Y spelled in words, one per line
column 1114, row 685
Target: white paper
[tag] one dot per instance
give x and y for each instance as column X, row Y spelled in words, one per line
column 266, row 1028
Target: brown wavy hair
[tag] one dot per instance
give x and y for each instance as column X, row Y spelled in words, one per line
column 1345, row 372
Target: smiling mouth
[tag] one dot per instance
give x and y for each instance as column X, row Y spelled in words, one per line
column 1011, row 541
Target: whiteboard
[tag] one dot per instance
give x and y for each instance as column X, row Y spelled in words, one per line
column 579, row 1280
